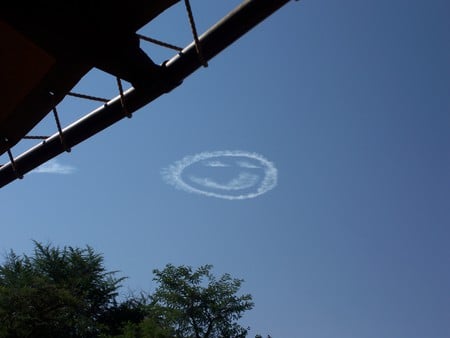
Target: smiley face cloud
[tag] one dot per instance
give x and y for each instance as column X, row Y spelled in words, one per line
column 227, row 174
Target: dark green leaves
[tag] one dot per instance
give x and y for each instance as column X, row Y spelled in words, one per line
column 197, row 304
column 54, row 292
column 67, row 292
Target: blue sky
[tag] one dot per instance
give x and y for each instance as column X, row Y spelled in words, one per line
column 348, row 100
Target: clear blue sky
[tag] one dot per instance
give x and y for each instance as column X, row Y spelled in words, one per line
column 349, row 100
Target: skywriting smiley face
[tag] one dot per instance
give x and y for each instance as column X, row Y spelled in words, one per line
column 223, row 174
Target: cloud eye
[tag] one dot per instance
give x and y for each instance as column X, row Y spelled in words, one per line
column 215, row 164
column 248, row 165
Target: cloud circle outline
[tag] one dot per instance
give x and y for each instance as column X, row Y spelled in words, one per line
column 172, row 174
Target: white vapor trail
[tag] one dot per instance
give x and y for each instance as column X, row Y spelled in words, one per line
column 245, row 180
column 54, row 167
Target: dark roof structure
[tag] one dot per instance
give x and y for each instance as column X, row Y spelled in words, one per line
column 47, row 49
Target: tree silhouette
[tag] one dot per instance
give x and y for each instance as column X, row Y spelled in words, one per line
column 56, row 292
column 67, row 292
column 197, row 304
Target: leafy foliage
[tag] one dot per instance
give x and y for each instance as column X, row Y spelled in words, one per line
column 55, row 293
column 197, row 304
column 67, row 292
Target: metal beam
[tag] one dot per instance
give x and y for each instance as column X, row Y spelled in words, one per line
column 217, row 38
